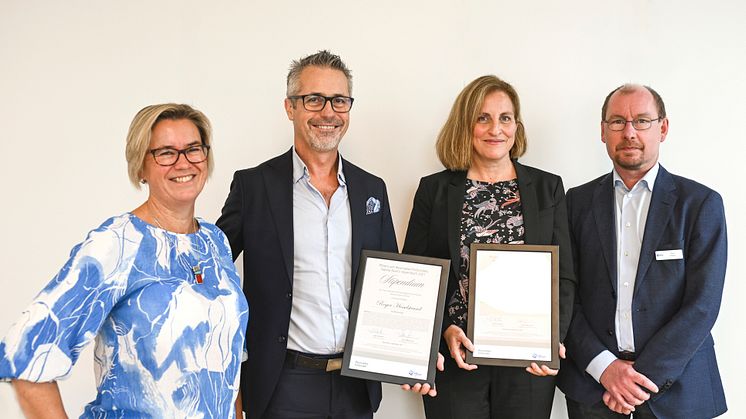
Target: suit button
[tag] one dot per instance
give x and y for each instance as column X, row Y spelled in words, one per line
column 288, row 295
column 610, row 332
column 281, row 339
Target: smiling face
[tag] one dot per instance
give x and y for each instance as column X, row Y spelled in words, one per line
column 494, row 131
column 177, row 186
column 323, row 130
column 632, row 150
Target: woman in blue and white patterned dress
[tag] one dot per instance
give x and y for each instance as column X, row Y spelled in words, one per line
column 155, row 288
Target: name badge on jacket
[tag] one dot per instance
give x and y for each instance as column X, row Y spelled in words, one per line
column 669, row 254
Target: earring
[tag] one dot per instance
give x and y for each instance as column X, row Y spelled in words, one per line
column 143, row 181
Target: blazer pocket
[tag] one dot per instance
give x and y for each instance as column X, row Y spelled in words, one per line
column 369, row 219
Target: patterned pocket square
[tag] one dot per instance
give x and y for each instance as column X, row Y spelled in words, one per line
column 372, row 206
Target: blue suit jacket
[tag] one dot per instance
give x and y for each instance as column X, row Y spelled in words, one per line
column 258, row 220
column 675, row 302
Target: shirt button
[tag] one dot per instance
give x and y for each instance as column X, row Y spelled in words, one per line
column 626, row 284
column 626, row 253
column 628, row 224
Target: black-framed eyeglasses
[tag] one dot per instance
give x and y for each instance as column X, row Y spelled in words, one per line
column 315, row 103
column 167, row 156
column 640, row 124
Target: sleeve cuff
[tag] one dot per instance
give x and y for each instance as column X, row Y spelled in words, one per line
column 598, row 365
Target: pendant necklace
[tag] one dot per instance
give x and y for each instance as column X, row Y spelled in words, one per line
column 196, row 270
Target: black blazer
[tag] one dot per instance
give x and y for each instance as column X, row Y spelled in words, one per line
column 434, row 226
column 258, row 220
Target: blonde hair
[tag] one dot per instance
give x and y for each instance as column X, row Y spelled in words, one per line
column 454, row 145
column 141, row 129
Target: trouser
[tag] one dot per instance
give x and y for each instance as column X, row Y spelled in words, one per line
column 313, row 393
column 490, row 393
column 576, row 410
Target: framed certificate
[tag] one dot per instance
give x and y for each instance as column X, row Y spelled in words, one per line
column 513, row 305
column 395, row 320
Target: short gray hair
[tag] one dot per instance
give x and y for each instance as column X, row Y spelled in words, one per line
column 323, row 59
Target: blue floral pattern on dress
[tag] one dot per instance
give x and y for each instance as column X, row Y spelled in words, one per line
column 166, row 345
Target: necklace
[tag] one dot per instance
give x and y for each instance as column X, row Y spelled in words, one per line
column 196, row 270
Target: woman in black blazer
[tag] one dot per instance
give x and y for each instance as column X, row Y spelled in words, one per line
column 486, row 196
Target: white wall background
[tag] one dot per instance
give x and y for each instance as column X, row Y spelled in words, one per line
column 73, row 74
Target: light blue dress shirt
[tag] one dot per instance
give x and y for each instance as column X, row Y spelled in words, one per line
column 631, row 212
column 322, row 270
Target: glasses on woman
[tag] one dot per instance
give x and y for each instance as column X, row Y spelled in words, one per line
column 167, row 156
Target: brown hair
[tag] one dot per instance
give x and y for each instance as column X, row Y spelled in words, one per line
column 454, row 145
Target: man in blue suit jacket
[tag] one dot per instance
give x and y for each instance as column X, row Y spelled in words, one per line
column 301, row 220
column 650, row 251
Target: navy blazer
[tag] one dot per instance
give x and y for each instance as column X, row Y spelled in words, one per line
column 435, row 225
column 675, row 302
column 258, row 220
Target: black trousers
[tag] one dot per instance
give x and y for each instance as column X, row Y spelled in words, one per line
column 599, row 410
column 490, row 393
column 307, row 393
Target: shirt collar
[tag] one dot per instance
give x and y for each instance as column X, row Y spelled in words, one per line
column 647, row 181
column 300, row 170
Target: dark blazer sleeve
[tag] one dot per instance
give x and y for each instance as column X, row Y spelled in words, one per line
column 428, row 228
column 415, row 242
column 388, row 235
column 581, row 339
column 231, row 220
column 545, row 220
column 568, row 281
column 667, row 353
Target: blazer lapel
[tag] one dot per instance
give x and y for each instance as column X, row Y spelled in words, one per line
column 603, row 213
column 529, row 204
column 663, row 199
column 456, row 191
column 278, row 182
column 357, row 197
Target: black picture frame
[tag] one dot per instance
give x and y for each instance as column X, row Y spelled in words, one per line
column 363, row 319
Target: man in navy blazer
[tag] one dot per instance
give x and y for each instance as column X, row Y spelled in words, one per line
column 650, row 251
column 301, row 220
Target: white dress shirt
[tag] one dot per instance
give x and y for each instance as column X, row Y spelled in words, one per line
column 631, row 212
column 322, row 270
